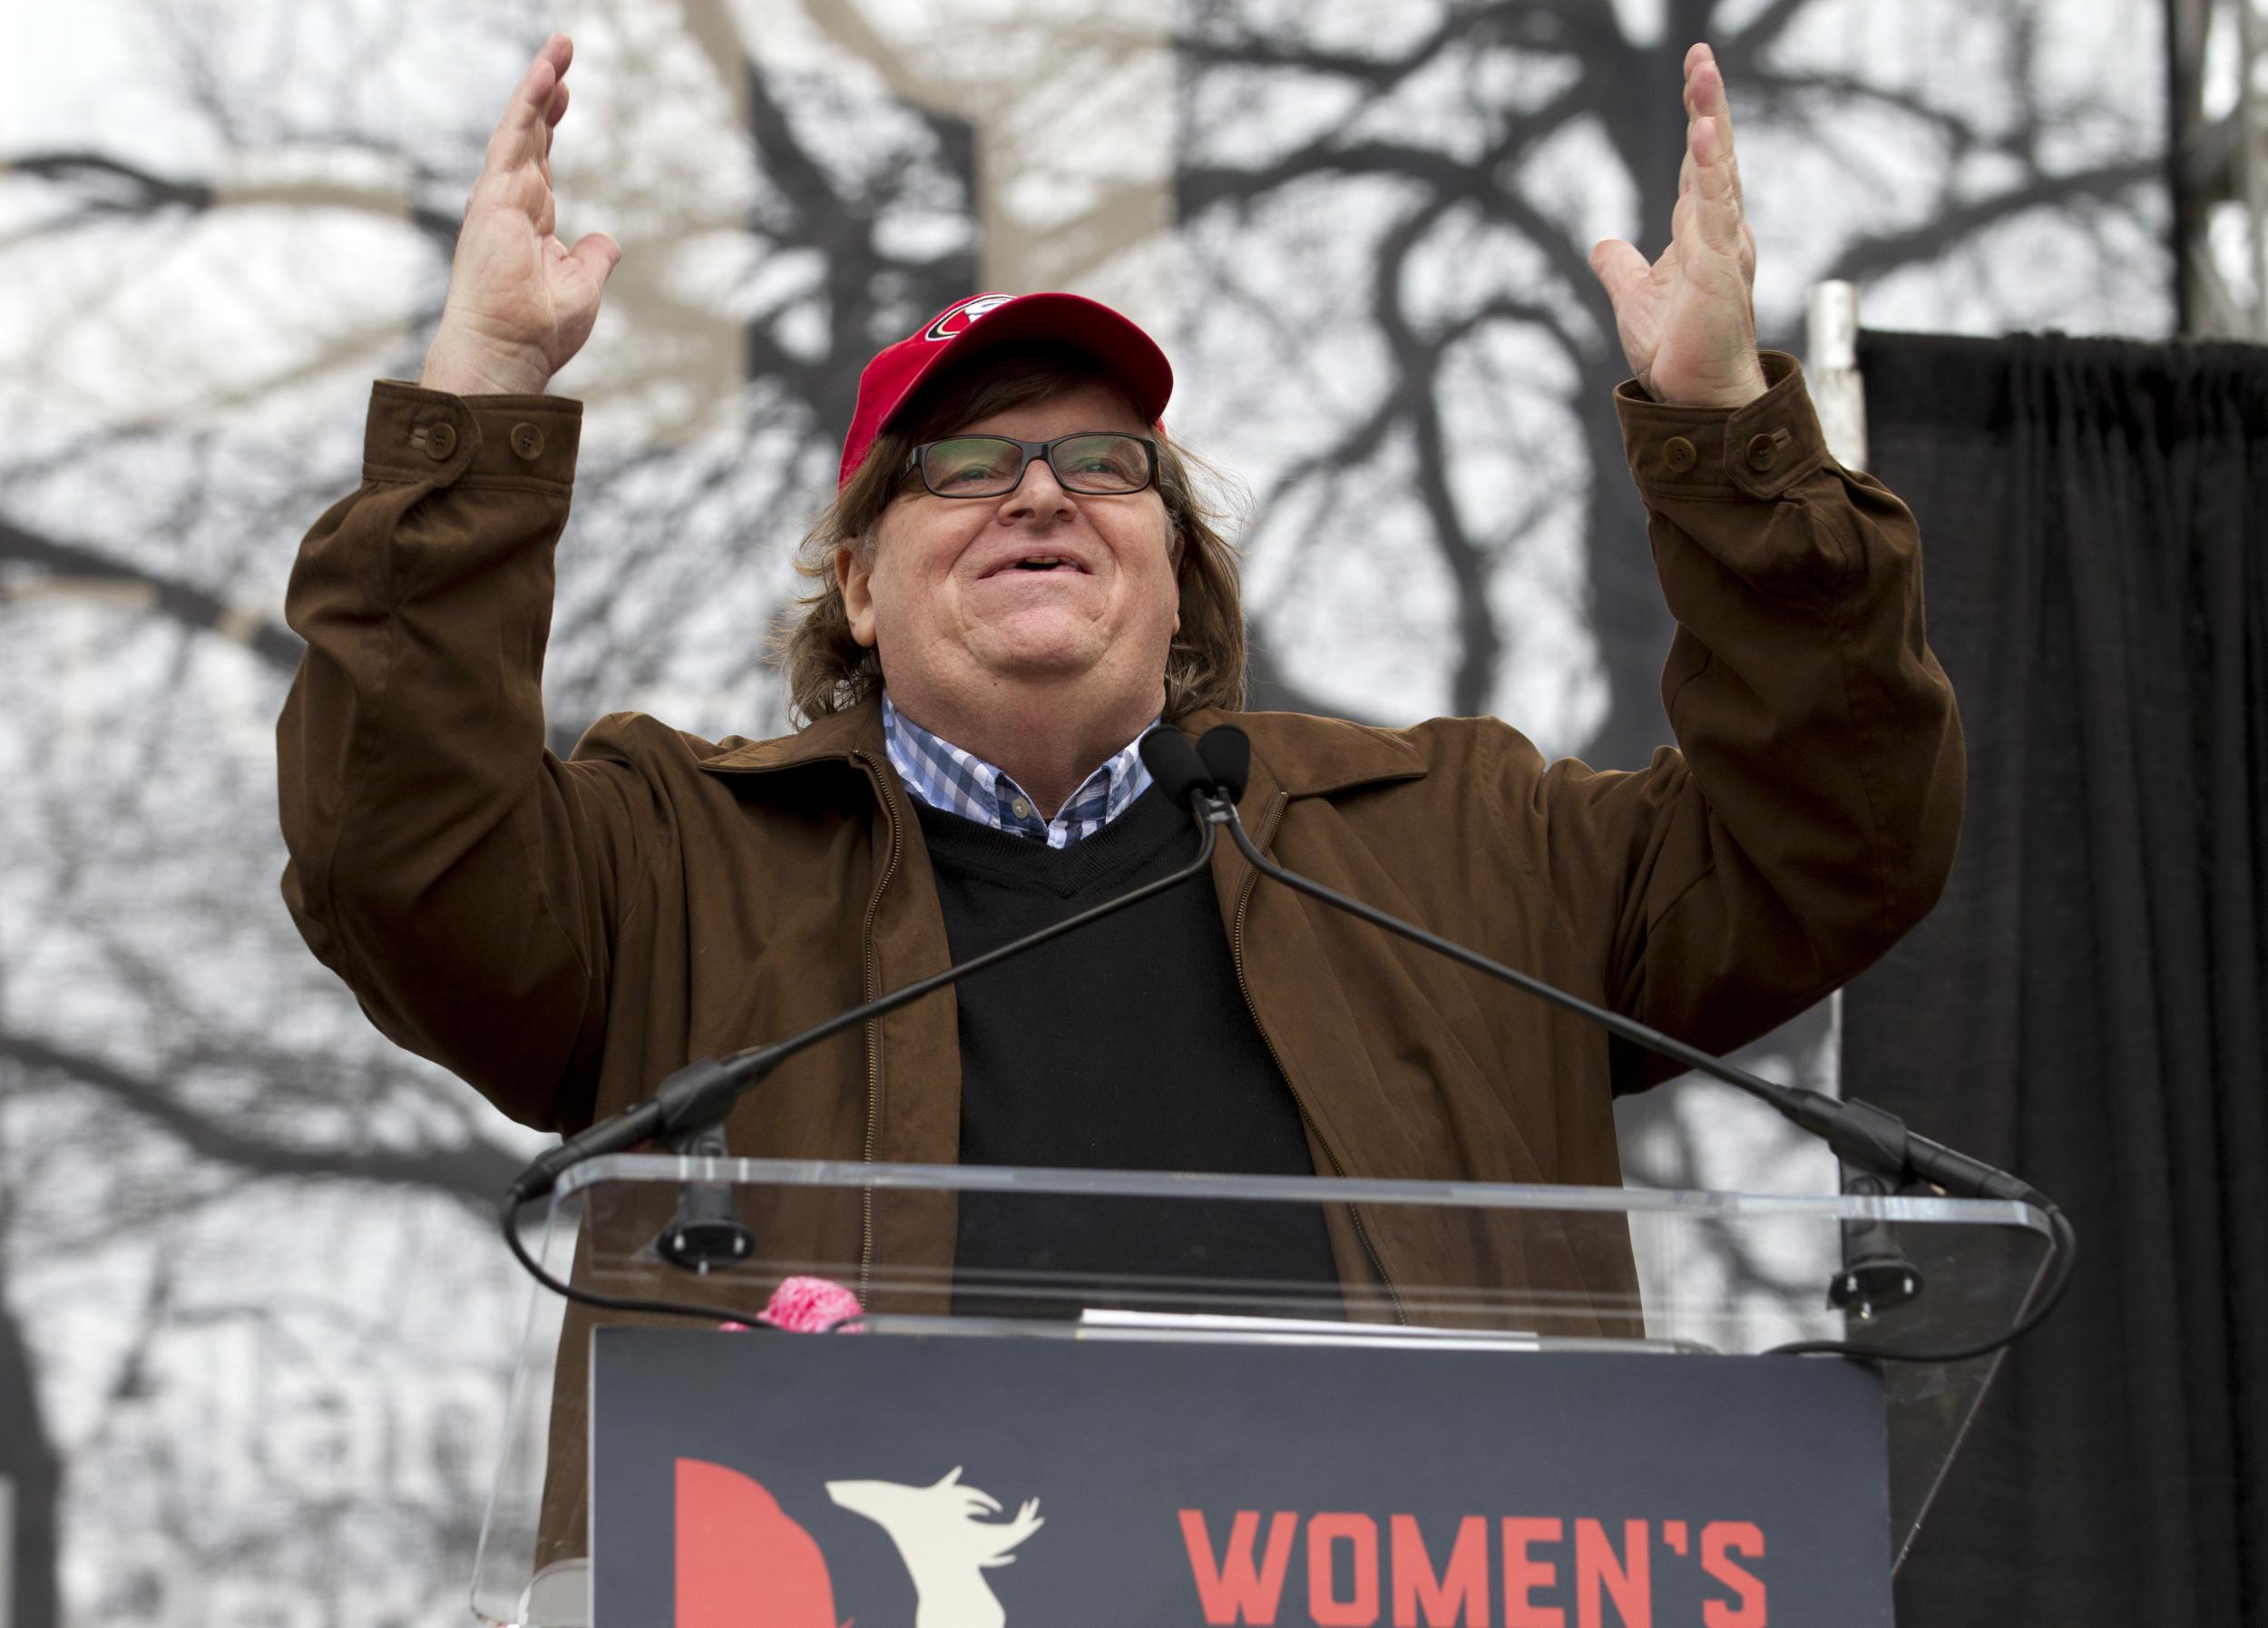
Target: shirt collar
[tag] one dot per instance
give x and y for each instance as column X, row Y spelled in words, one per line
column 945, row 777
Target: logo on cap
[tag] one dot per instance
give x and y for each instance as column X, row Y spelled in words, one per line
column 957, row 321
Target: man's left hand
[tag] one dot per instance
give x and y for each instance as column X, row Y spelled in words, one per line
column 1689, row 322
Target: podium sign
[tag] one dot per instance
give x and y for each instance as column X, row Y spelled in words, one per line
column 895, row 1479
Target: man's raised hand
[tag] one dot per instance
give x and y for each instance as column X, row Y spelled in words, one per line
column 521, row 302
column 1688, row 321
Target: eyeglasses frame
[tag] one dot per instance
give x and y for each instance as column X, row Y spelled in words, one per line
column 1027, row 451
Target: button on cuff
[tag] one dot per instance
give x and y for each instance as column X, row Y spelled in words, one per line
column 1757, row 450
column 429, row 436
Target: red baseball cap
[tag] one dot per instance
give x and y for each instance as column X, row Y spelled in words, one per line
column 967, row 327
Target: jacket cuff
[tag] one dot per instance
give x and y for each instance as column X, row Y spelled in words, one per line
column 420, row 435
column 1757, row 451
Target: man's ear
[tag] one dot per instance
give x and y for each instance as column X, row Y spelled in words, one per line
column 854, row 574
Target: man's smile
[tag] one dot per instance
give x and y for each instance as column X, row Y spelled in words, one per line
column 1035, row 561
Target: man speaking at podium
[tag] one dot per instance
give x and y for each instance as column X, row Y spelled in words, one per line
column 1017, row 579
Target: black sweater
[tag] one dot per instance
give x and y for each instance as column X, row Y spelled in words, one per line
column 1126, row 1045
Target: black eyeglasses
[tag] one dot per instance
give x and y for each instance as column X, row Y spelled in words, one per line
column 1099, row 463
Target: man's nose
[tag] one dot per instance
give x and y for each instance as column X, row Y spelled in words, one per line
column 1039, row 496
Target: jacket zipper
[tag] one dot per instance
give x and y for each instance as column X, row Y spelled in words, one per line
column 871, row 985
column 1306, row 1120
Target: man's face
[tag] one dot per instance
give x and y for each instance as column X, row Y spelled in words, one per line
column 961, row 597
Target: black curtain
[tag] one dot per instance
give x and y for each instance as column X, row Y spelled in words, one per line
column 2085, row 1006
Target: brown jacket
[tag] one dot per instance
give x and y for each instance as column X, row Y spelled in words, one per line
column 564, row 934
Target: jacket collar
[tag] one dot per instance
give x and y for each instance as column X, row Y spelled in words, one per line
column 1292, row 753
column 837, row 738
column 1302, row 755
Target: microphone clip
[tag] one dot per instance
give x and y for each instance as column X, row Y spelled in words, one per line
column 1876, row 1275
column 706, row 1232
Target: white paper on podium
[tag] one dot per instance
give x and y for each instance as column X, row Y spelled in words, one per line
column 1215, row 1327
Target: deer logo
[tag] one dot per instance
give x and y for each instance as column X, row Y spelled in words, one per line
column 944, row 1542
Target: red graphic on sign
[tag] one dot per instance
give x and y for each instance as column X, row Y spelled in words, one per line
column 741, row 1561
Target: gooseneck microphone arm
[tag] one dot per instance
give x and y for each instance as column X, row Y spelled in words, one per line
column 697, row 1097
column 1862, row 1134
column 700, row 1093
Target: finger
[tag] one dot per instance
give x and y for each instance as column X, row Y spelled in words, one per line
column 599, row 254
column 1716, row 197
column 1705, row 99
column 517, row 136
column 1618, row 267
column 1704, row 93
column 514, row 139
column 1685, row 164
column 553, row 113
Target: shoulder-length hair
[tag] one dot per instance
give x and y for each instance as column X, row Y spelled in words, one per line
column 827, row 669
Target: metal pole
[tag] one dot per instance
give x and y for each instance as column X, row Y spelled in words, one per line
column 2251, row 172
column 1831, row 368
column 7, row 1551
column 1831, row 365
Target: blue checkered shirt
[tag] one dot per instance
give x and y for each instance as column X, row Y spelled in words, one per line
column 944, row 777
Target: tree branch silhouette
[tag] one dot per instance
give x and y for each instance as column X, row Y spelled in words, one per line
column 474, row 1173
column 105, row 186
column 178, row 600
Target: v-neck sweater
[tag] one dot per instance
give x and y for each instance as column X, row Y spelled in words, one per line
column 1126, row 1045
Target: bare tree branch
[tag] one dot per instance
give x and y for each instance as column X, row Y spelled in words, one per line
column 474, row 1173
column 184, row 602
column 1881, row 253
column 108, row 186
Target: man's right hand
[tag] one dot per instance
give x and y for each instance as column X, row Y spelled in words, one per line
column 521, row 303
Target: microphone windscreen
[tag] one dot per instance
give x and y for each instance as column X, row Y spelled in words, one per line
column 1174, row 764
column 1227, row 753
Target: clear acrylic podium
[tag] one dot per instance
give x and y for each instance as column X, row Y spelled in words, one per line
column 1422, row 1266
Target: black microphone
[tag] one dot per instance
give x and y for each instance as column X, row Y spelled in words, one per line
column 1226, row 751
column 1862, row 1134
column 1174, row 764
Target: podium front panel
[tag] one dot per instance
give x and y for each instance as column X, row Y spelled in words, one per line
column 1130, row 1483
column 956, row 1259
